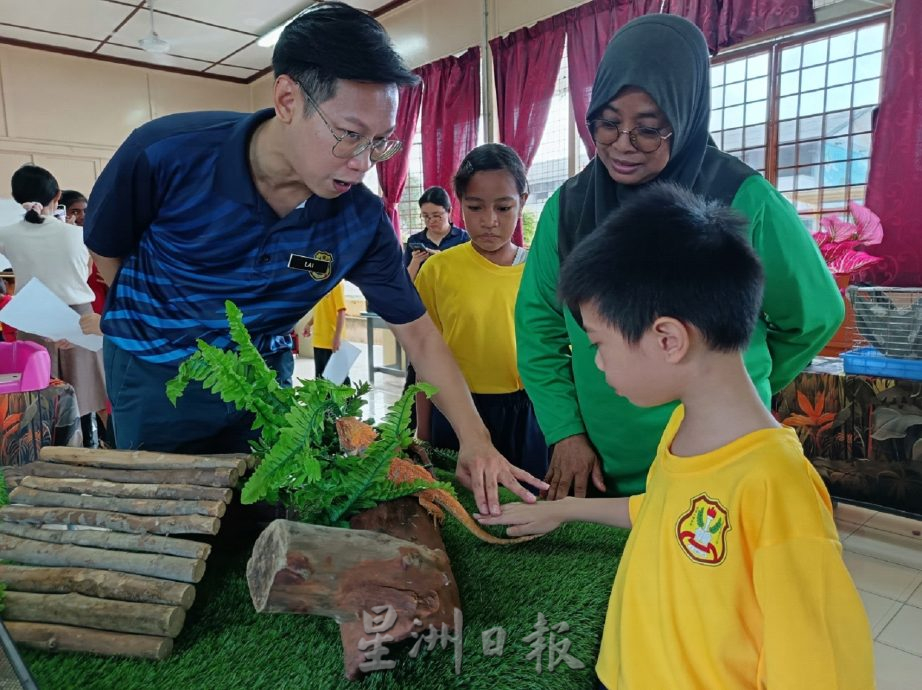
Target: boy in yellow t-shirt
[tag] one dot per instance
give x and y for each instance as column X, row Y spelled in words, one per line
column 733, row 575
column 326, row 326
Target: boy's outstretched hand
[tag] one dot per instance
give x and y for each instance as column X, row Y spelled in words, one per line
column 525, row 519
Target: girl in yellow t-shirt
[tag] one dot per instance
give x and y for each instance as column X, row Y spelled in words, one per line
column 326, row 327
column 470, row 292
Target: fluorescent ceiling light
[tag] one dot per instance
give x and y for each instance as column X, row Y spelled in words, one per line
column 271, row 38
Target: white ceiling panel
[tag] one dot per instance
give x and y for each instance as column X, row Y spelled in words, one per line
column 46, row 39
column 254, row 56
column 187, row 38
column 228, row 71
column 159, row 59
column 244, row 15
column 200, row 32
column 86, row 18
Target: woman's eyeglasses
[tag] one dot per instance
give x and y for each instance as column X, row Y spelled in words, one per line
column 644, row 139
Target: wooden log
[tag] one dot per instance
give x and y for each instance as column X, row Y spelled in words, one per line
column 248, row 457
column 102, row 584
column 93, row 487
column 13, row 475
column 133, row 506
column 221, row 477
column 137, row 459
column 32, row 552
column 300, row 568
column 119, row 522
column 66, row 638
column 405, row 519
column 89, row 612
column 329, row 571
column 115, row 541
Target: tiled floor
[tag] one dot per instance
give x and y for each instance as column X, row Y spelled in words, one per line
column 883, row 553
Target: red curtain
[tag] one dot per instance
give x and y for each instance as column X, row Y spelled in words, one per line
column 450, row 115
column 742, row 19
column 896, row 158
column 525, row 67
column 723, row 22
column 392, row 173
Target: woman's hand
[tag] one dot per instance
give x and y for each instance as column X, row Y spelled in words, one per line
column 573, row 464
column 419, row 256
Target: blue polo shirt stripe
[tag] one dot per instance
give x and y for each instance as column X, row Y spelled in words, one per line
column 178, row 205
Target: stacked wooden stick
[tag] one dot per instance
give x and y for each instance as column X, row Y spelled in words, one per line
column 95, row 568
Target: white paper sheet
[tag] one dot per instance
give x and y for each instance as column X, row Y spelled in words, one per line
column 340, row 363
column 36, row 309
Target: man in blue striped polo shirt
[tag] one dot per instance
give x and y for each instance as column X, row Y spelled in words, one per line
column 268, row 210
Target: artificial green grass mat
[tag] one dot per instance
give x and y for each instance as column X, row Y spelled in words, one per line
column 566, row 575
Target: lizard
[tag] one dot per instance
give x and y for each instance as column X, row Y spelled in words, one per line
column 355, row 436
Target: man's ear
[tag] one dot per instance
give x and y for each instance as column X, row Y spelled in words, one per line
column 672, row 339
column 287, row 98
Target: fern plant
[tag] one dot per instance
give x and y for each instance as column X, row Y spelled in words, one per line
column 301, row 463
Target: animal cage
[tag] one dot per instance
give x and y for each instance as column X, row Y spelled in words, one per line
column 887, row 334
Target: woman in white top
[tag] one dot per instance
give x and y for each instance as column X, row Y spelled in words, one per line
column 43, row 247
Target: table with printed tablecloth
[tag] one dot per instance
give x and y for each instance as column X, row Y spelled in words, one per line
column 862, row 433
column 31, row 420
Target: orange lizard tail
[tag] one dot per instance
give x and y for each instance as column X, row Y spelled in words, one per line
column 402, row 471
column 355, row 436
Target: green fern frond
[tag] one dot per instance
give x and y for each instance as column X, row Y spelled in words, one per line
column 292, row 445
column 299, row 461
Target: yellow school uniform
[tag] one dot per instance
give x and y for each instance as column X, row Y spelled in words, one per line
column 733, row 577
column 325, row 313
column 472, row 300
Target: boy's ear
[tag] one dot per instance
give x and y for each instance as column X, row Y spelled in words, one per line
column 672, row 339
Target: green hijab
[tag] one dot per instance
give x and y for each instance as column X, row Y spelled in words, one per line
column 667, row 57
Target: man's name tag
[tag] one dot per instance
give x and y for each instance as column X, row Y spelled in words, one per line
column 309, row 264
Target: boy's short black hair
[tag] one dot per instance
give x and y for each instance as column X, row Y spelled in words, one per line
column 668, row 252
column 331, row 41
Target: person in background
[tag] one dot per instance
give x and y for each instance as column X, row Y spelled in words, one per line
column 326, row 327
column 75, row 212
column 43, row 247
column 469, row 292
column 7, row 289
column 440, row 233
column 75, row 208
column 649, row 119
column 267, row 209
column 732, row 576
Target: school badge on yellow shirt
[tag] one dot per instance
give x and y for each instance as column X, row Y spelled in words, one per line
column 702, row 531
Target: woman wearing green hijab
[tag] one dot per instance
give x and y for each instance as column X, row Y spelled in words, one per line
column 649, row 117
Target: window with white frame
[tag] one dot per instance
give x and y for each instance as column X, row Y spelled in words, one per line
column 828, row 90
column 821, row 92
column 408, row 206
column 739, row 108
column 550, row 167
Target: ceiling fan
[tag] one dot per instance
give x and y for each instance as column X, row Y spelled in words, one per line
column 152, row 43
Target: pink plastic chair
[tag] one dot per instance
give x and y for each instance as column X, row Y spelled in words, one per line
column 24, row 366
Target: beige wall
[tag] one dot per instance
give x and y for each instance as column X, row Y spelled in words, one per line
column 69, row 114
